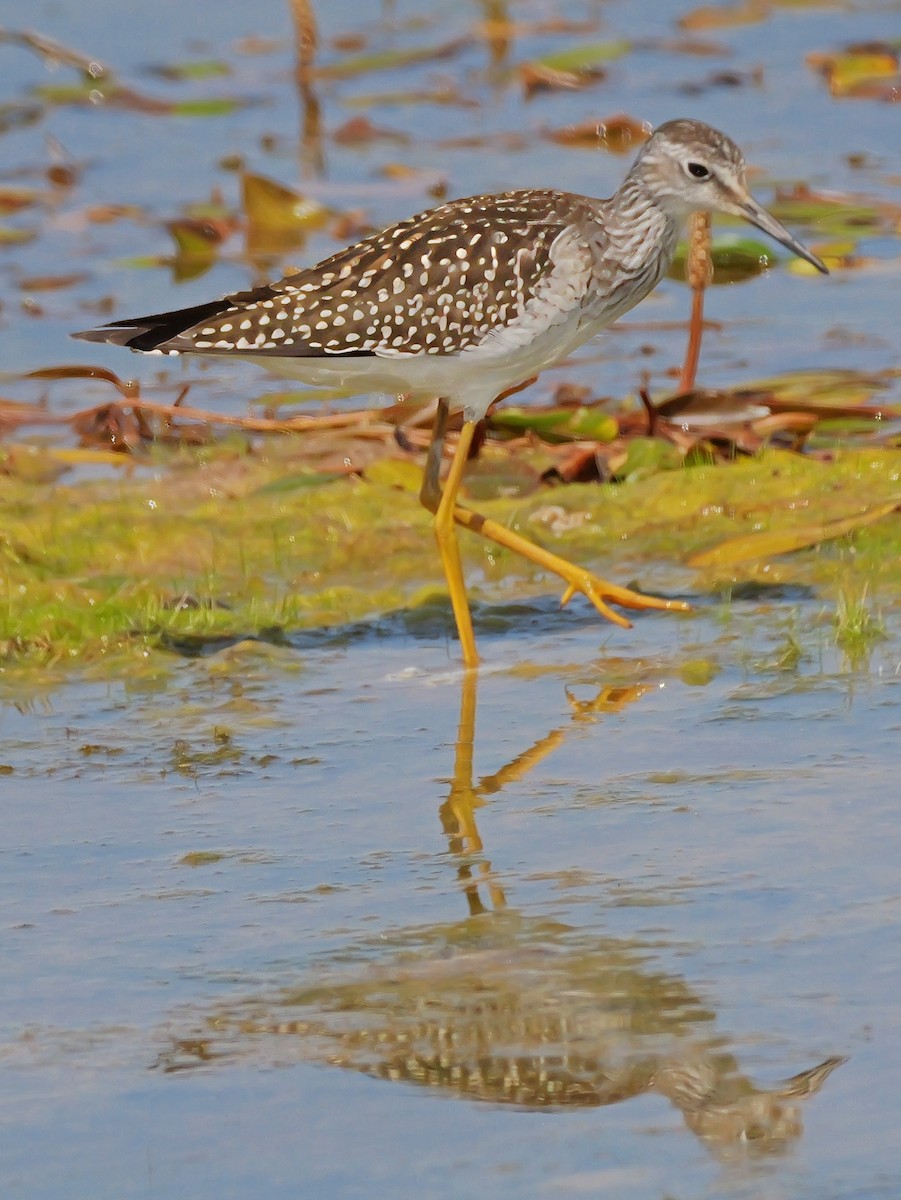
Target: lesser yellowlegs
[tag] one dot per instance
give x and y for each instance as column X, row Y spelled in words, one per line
column 467, row 301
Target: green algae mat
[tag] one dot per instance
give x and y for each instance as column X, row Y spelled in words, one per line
column 253, row 544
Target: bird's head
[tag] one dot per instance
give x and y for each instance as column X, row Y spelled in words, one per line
column 690, row 167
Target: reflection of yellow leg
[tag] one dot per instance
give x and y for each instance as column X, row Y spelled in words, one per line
column 458, row 811
column 465, row 796
column 608, row 700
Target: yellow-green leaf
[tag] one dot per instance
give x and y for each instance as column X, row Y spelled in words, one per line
column 396, row 473
column 582, row 58
column 767, row 545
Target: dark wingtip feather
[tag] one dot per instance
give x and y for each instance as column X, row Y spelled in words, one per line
column 116, row 335
column 154, row 332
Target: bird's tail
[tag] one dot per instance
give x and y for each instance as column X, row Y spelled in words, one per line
column 155, row 331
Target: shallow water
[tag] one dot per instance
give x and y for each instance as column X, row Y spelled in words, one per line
column 327, row 919
column 279, row 926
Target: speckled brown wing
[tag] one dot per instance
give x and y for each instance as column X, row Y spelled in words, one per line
column 437, row 283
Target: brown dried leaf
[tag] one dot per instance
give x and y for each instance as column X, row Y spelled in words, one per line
column 51, row 283
column 497, row 27
column 723, row 79
column 108, row 425
column 800, row 423
column 53, row 53
column 719, row 16
column 14, row 414
column 701, row 408
column 694, row 46
column 129, row 390
column 620, row 134
column 349, row 43
column 580, row 464
column 12, row 199
column 359, row 130
column 537, row 77
column 105, row 214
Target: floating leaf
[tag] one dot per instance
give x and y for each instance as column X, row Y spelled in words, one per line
column 837, row 390
column 32, row 464
column 52, row 52
column 722, row 79
column 698, row 672
column 126, row 389
column 277, row 216
column 77, row 456
column 94, row 93
column 721, row 16
column 558, row 424
column 832, row 212
column 16, row 237
column 536, row 77
column 200, row 858
column 868, row 71
column 360, row 130
column 734, row 258
column 390, row 60
column 701, row 408
column 14, row 198
column 767, row 545
column 107, row 93
column 297, row 481
column 209, row 68
column 646, row 456
column 592, row 423
column 216, row 106
column 395, row 473
column 197, row 243
column 620, row 134
column 143, row 262
column 443, row 95
column 577, row 67
column 584, row 58
column 51, row 283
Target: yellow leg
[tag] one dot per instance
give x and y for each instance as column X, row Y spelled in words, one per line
column 443, row 504
column 599, row 591
column 447, row 512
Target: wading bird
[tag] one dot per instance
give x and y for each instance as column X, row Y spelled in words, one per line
column 469, row 300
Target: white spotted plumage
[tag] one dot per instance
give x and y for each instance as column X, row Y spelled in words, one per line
column 471, row 298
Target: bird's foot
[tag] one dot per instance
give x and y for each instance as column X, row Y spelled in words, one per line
column 602, row 594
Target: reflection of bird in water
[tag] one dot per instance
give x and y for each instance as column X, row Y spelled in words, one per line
column 584, row 1026
column 467, row 302
column 726, row 1109
column 501, row 1010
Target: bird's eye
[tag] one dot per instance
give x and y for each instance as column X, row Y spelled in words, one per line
column 698, row 170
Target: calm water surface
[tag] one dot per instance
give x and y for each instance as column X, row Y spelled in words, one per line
column 321, row 919
column 277, row 924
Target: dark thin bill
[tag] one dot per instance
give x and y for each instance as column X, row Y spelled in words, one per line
column 761, row 218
